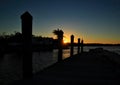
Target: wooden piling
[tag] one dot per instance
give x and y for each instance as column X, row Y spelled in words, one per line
column 82, row 46
column 60, row 45
column 72, row 45
column 27, row 44
column 60, row 50
column 78, row 51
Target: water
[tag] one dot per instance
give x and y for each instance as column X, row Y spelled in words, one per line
column 115, row 49
column 44, row 59
column 11, row 64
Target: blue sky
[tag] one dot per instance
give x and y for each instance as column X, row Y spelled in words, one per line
column 93, row 20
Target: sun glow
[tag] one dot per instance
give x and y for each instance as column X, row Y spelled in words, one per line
column 65, row 40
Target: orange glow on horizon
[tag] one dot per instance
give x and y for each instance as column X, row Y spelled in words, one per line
column 65, row 40
column 92, row 40
column 87, row 38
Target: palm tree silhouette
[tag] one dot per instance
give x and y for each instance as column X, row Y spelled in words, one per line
column 59, row 34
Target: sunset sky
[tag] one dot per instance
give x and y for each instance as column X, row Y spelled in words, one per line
column 96, row 21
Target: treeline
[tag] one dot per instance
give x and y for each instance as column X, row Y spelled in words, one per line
column 16, row 37
column 13, row 42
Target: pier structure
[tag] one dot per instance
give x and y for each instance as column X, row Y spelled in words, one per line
column 97, row 66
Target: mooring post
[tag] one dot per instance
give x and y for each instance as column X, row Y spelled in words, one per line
column 27, row 44
column 82, row 46
column 60, row 45
column 72, row 45
column 78, row 51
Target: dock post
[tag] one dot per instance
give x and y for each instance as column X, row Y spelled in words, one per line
column 72, row 45
column 60, row 45
column 78, row 51
column 27, row 44
column 60, row 51
column 82, row 46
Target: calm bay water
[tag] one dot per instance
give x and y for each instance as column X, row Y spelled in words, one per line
column 11, row 64
column 116, row 49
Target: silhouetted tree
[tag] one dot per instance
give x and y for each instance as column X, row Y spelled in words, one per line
column 59, row 33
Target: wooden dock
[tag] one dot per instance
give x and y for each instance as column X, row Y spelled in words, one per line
column 90, row 68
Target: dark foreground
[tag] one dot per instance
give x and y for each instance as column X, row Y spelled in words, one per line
column 97, row 67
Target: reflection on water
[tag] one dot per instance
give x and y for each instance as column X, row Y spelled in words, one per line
column 10, row 68
column 11, row 64
column 115, row 49
column 41, row 59
column 66, row 52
